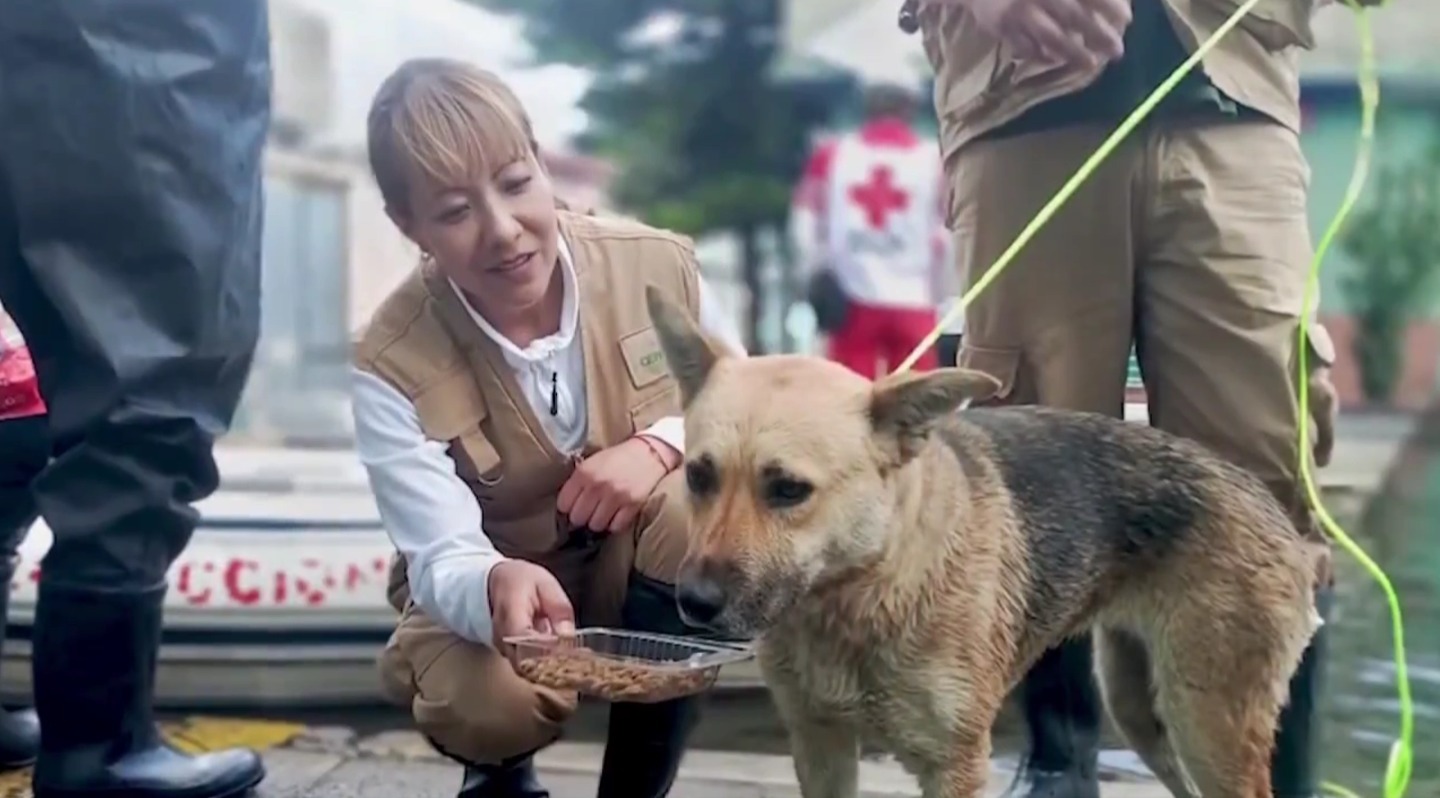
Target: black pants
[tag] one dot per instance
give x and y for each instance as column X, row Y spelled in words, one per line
column 24, row 452
column 130, row 215
column 948, row 350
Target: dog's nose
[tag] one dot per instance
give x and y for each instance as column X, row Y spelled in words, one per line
column 701, row 596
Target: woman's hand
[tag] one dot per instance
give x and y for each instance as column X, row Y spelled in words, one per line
column 609, row 488
column 527, row 599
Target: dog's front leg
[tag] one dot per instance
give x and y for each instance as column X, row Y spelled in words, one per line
column 827, row 757
column 961, row 775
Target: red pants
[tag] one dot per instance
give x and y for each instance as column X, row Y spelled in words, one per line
column 875, row 335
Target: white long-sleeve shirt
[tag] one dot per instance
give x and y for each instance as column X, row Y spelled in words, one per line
column 432, row 517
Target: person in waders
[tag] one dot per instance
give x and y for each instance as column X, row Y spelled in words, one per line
column 1191, row 241
column 130, row 225
column 521, row 432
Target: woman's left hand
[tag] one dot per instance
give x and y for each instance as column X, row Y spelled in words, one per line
column 609, row 488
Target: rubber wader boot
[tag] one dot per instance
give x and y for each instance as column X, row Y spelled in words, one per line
column 645, row 742
column 19, row 730
column 24, row 451
column 1294, row 772
column 94, row 663
column 514, row 778
column 1062, row 708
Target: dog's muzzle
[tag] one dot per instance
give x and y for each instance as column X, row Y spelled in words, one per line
column 704, row 590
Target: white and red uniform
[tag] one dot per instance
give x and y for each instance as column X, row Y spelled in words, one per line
column 868, row 208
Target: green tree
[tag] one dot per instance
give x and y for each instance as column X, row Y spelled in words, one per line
column 704, row 139
column 1395, row 242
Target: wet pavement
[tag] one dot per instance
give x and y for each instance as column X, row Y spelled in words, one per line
column 330, row 762
column 337, row 761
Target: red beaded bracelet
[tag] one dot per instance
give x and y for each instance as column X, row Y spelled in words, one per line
column 655, row 450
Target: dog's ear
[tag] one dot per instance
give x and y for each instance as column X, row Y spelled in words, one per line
column 904, row 407
column 688, row 353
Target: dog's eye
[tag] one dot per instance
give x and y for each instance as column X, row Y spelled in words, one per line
column 787, row 491
column 700, row 476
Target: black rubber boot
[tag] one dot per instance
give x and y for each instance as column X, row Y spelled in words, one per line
column 513, row 779
column 645, row 742
column 1062, row 710
column 19, row 730
column 1294, row 772
column 94, row 664
column 947, row 349
column 25, row 443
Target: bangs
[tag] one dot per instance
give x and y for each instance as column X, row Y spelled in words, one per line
column 457, row 139
column 453, row 126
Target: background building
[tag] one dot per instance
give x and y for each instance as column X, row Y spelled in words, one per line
column 330, row 252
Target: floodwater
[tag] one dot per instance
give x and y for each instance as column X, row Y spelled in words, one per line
column 1400, row 530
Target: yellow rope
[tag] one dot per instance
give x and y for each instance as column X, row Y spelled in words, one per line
column 1398, row 767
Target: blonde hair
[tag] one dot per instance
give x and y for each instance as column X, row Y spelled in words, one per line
column 445, row 120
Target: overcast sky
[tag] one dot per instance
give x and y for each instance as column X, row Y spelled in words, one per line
column 371, row 37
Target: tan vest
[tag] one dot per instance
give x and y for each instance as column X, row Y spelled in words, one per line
column 979, row 86
column 423, row 342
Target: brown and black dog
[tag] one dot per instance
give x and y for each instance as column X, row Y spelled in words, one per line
column 900, row 566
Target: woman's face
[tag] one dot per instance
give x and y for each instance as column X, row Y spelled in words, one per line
column 497, row 239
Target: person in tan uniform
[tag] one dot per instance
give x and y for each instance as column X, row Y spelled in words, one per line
column 521, row 433
column 1190, row 241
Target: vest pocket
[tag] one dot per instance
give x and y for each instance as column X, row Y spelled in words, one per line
column 644, row 359
column 651, row 409
column 476, row 459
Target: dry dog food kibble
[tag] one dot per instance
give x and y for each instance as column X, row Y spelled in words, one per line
column 614, row 680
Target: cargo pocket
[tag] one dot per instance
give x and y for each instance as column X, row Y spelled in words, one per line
column 1002, row 364
column 396, row 672
column 1324, row 399
column 477, row 461
column 651, row 409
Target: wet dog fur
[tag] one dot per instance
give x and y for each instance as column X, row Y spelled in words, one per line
column 901, row 565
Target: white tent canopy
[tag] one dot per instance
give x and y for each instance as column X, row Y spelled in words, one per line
column 858, row 36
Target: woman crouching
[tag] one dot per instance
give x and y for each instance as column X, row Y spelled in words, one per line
column 521, row 433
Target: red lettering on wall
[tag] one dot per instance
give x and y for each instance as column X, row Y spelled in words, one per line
column 354, row 577
column 310, row 581
column 306, row 587
column 184, row 585
column 234, row 571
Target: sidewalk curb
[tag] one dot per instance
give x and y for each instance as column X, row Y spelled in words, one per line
column 770, row 774
column 773, row 776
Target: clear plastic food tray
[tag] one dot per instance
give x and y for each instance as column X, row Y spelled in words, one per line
column 616, row 665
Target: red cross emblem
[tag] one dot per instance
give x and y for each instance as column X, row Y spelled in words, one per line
column 878, row 196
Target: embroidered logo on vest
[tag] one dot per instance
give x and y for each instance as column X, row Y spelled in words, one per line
column 644, row 358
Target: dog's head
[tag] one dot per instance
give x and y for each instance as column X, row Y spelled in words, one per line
column 791, row 466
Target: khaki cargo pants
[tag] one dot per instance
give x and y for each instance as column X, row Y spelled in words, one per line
column 467, row 699
column 1192, row 241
